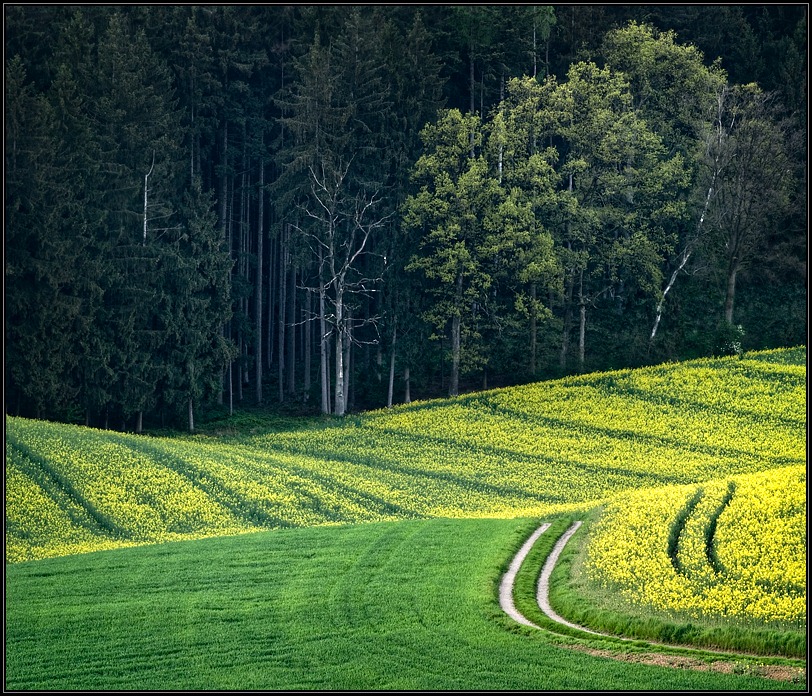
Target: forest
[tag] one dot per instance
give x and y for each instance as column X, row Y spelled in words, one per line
column 327, row 209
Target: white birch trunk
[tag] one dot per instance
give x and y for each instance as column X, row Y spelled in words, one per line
column 146, row 190
column 407, row 393
column 347, row 358
column 340, row 405
column 325, row 382
column 731, row 293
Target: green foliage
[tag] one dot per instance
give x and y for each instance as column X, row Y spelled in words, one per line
column 670, row 82
column 595, row 133
column 728, row 339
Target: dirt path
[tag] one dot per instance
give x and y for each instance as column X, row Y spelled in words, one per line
column 543, row 591
column 777, row 672
column 506, row 586
column 542, row 595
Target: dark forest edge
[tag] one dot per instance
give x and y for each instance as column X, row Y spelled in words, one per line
column 216, row 213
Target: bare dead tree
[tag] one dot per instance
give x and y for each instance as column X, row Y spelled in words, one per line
column 339, row 236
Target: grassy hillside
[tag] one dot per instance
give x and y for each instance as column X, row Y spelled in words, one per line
column 678, row 459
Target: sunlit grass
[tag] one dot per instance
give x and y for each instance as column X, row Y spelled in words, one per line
column 389, row 606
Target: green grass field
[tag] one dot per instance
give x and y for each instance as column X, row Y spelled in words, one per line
column 366, row 553
column 394, row 605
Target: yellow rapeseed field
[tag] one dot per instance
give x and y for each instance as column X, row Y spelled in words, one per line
column 752, row 567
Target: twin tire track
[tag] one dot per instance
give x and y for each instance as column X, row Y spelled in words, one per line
column 543, row 587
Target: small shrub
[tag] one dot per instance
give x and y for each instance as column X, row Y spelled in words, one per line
column 728, row 339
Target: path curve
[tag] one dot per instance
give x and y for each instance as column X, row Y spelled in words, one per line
column 543, row 587
column 506, row 586
column 542, row 594
column 542, row 598
column 543, row 590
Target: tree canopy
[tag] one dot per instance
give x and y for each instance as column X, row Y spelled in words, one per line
column 268, row 204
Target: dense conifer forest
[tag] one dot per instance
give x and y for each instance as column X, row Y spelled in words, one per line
column 335, row 208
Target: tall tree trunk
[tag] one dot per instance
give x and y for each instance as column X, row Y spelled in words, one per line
column 565, row 339
column 500, row 163
column 139, row 422
column 191, row 416
column 234, row 269
column 340, row 405
column 582, row 324
column 258, row 290
column 565, row 336
column 456, row 341
column 454, row 372
column 325, row 382
column 230, row 389
column 146, row 190
column 473, row 89
column 471, row 77
column 407, row 394
column 242, row 271
column 308, row 343
column 685, row 256
column 280, row 348
column 193, row 145
column 392, row 364
column 731, row 291
column 454, row 383
column 272, row 270
column 533, row 330
column 290, row 361
column 347, row 357
column 223, row 223
column 535, row 67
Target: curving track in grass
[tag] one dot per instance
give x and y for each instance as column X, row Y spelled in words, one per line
column 543, row 590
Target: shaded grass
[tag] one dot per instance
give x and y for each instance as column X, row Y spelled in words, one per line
column 385, row 606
